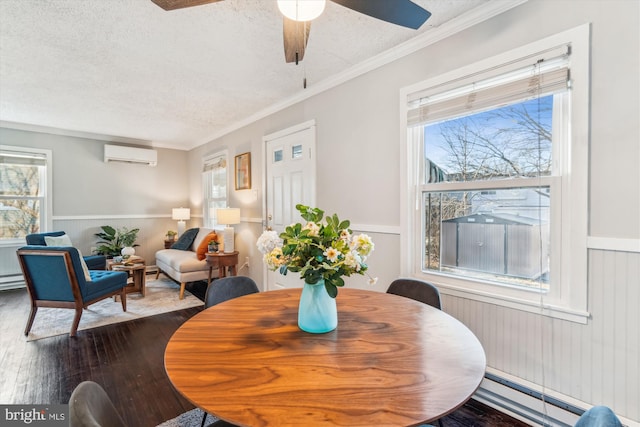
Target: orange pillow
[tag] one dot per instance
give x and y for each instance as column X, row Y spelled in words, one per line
column 203, row 247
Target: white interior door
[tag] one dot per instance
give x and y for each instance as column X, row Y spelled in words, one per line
column 290, row 179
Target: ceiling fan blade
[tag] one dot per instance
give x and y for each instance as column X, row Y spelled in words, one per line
column 296, row 36
column 401, row 12
column 179, row 4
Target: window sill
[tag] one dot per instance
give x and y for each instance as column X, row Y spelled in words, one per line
column 529, row 306
column 9, row 243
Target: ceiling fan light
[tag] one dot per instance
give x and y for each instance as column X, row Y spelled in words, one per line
column 301, row 10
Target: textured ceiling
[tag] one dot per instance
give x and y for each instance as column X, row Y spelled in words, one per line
column 128, row 69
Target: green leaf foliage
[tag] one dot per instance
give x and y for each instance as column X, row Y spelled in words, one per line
column 319, row 250
column 113, row 240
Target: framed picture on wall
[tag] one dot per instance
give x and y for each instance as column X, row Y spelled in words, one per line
column 243, row 171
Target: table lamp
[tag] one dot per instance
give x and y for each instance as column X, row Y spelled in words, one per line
column 181, row 215
column 228, row 216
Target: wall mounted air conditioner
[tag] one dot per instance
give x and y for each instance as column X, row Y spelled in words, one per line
column 120, row 153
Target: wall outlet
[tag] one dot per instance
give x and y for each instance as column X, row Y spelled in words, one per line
column 94, row 249
column 246, row 261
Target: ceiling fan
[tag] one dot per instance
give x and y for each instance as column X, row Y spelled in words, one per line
column 296, row 28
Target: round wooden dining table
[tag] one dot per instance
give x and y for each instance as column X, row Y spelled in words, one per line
column 392, row 361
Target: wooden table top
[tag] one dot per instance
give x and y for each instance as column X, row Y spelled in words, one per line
column 392, row 361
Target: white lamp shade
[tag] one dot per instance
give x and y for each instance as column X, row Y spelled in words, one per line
column 181, row 214
column 228, row 216
column 301, row 10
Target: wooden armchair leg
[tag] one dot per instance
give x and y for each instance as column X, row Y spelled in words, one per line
column 76, row 322
column 32, row 316
column 182, row 286
column 123, row 299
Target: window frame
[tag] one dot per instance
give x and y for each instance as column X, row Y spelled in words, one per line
column 46, row 212
column 211, row 222
column 568, row 297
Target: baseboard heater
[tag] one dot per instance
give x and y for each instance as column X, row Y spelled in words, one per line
column 11, row 282
column 526, row 404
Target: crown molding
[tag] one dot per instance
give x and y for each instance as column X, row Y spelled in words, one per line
column 456, row 25
column 74, row 133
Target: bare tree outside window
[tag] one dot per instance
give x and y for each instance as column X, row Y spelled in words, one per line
column 21, row 199
column 472, row 231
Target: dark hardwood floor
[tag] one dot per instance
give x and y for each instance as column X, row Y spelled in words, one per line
column 127, row 360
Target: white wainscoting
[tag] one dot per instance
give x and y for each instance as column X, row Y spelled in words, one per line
column 150, row 239
column 10, row 273
column 81, row 230
column 596, row 363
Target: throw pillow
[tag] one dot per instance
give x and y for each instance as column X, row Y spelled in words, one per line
column 203, row 247
column 186, row 240
column 64, row 240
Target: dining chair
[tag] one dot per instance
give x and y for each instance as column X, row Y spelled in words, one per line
column 598, row 416
column 226, row 288
column 221, row 290
column 418, row 290
column 90, row 406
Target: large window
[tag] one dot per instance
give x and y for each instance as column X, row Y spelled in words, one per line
column 24, row 192
column 495, row 203
column 214, row 185
column 499, row 233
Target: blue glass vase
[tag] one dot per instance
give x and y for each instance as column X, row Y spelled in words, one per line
column 317, row 312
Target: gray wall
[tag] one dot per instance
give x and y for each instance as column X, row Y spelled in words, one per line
column 358, row 135
column 89, row 193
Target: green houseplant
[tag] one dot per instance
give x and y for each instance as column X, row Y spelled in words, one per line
column 113, row 240
column 319, row 250
column 213, row 245
column 322, row 251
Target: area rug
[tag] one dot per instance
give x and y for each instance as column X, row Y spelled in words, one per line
column 161, row 297
column 189, row 419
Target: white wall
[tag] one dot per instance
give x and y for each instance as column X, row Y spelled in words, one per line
column 359, row 175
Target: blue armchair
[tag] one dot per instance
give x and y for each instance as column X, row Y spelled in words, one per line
column 55, row 278
column 94, row 262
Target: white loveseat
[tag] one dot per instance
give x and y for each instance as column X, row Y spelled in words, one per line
column 184, row 266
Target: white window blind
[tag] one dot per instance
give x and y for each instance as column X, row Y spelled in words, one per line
column 537, row 75
column 214, row 186
column 22, row 158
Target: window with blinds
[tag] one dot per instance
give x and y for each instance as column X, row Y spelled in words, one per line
column 487, row 170
column 24, row 202
column 214, row 186
column 497, row 178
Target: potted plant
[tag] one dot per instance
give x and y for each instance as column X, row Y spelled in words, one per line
column 114, row 240
column 213, row 245
column 171, row 235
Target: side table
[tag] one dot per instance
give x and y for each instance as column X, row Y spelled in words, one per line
column 222, row 260
column 136, row 271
